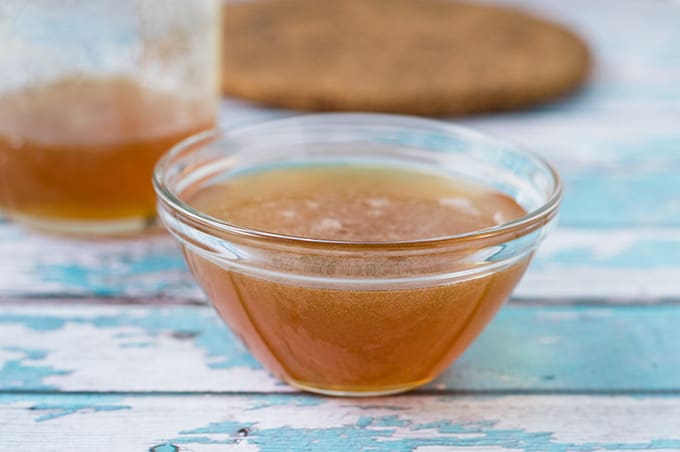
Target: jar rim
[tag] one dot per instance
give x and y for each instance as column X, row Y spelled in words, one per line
column 523, row 225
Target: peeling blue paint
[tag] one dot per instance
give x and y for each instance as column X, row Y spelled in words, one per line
column 202, row 326
column 364, row 421
column 556, row 348
column 140, row 344
column 638, row 350
column 165, row 447
column 389, row 433
column 284, row 399
column 57, row 411
column 156, row 263
column 84, row 279
column 647, row 254
column 130, row 274
column 208, row 332
column 447, row 427
column 35, row 322
column 622, row 198
column 223, row 427
column 580, row 209
column 25, row 372
column 382, row 421
column 202, row 440
column 48, row 407
column 367, row 434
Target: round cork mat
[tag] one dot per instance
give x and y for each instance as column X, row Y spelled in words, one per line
column 426, row 57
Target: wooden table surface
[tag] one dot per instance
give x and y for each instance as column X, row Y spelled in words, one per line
column 110, row 346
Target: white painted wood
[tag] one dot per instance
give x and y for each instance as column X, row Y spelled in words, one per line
column 211, row 423
column 102, row 348
column 615, row 286
column 615, row 265
column 36, row 264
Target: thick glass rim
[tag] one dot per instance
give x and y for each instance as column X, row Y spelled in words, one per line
column 531, row 221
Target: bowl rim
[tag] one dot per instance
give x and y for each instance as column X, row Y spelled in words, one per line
column 523, row 225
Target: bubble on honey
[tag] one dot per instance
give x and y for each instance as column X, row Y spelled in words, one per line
column 462, row 204
column 377, row 203
column 15, row 141
column 328, row 224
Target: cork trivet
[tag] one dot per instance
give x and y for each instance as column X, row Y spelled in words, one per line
column 426, row 57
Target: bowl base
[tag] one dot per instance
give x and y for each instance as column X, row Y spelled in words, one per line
column 356, row 392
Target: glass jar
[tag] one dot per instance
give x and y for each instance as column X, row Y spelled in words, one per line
column 91, row 94
column 354, row 317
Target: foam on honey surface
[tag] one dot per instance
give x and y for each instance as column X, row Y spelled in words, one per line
column 356, row 203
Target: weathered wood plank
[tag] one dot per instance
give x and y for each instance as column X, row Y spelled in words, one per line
column 286, row 423
column 619, row 265
column 619, row 169
column 615, row 264
column 141, row 349
column 148, row 265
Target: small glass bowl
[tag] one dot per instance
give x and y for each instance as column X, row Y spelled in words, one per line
column 356, row 318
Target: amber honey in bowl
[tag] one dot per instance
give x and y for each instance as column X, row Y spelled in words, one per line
column 355, row 340
column 356, row 254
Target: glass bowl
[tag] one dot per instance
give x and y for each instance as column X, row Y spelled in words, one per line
column 347, row 317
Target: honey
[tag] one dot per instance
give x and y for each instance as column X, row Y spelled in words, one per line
column 83, row 149
column 355, row 339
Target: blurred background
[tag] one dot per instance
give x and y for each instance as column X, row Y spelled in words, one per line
column 614, row 137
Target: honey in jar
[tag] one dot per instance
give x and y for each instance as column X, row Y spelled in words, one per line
column 82, row 150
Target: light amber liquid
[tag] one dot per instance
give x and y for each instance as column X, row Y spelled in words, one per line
column 355, row 340
column 84, row 149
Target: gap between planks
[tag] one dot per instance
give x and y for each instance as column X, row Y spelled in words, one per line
column 421, row 392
